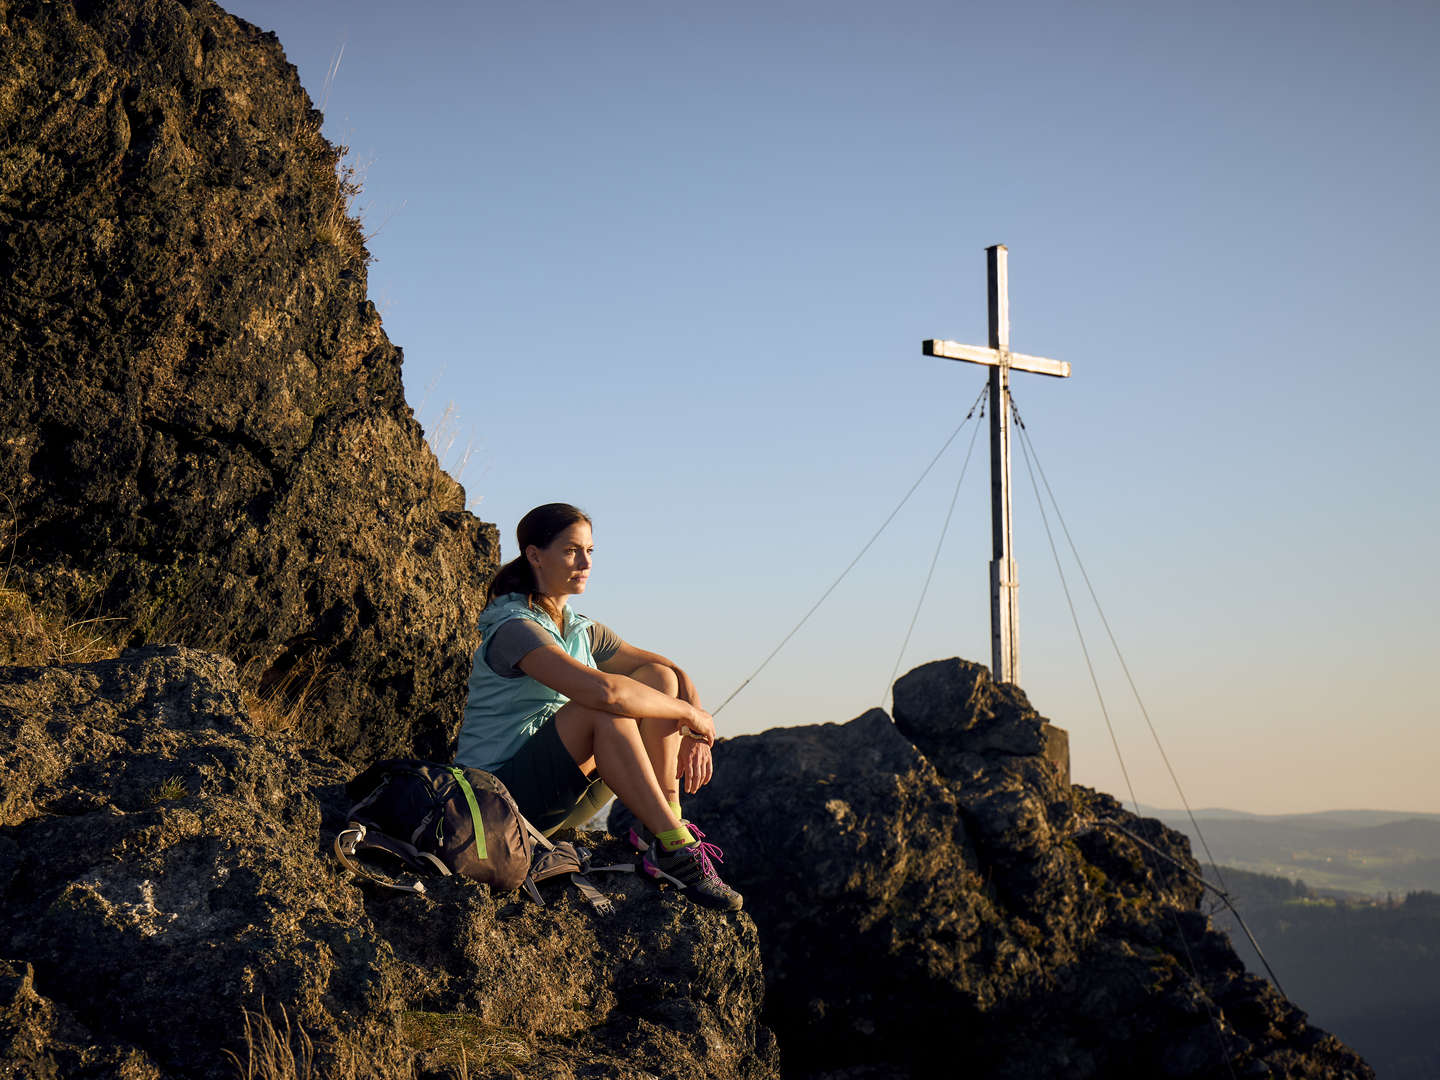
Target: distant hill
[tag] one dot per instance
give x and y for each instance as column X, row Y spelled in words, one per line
column 1339, row 818
column 1367, row 970
column 1363, row 852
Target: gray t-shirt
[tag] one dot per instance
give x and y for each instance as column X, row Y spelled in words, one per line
column 516, row 637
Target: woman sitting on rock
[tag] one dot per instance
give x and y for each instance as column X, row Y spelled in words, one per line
column 558, row 703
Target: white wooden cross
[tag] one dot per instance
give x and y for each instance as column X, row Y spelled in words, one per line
column 1004, row 600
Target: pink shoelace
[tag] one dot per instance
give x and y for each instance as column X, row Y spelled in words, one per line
column 705, row 851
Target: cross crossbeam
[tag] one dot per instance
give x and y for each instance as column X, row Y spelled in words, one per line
column 953, row 350
column 1004, row 589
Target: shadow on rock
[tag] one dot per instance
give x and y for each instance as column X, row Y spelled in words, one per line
column 946, row 898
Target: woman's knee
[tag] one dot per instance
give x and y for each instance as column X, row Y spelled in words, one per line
column 591, row 724
column 582, row 719
column 657, row 677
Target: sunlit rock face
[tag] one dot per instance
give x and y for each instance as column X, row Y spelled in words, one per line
column 203, row 436
column 165, row 866
column 952, row 900
column 203, row 431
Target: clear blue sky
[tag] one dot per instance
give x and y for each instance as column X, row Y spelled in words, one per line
column 673, row 262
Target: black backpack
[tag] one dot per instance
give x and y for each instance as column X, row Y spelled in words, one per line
column 412, row 819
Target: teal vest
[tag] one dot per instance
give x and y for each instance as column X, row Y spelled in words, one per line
column 501, row 713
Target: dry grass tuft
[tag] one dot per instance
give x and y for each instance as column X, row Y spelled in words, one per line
column 278, row 705
column 168, row 790
column 271, row 1054
column 443, row 439
column 460, row 1042
column 31, row 636
column 340, row 225
column 337, row 181
column 452, row 441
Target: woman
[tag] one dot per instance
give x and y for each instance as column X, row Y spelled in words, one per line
column 558, row 703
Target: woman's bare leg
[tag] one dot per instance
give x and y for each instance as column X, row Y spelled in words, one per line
column 661, row 737
column 613, row 745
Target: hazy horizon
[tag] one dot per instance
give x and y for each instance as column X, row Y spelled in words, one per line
column 1202, row 811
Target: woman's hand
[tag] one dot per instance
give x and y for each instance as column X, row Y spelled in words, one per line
column 699, row 728
column 696, row 767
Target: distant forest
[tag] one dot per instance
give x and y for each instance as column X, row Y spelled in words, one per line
column 1366, row 852
column 1367, row 971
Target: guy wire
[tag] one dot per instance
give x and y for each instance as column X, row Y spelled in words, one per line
column 1154, row 734
column 934, row 560
column 823, row 596
column 1027, row 453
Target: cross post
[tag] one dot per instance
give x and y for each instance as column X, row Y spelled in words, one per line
column 1004, row 589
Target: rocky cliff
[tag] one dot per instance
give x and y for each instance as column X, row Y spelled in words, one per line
column 203, row 431
column 203, row 436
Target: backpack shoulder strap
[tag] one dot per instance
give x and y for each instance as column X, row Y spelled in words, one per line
column 356, row 839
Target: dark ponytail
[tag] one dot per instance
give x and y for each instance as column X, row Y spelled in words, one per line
column 539, row 527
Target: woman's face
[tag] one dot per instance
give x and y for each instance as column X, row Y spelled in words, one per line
column 562, row 568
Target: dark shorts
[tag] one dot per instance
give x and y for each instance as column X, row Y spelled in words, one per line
column 546, row 783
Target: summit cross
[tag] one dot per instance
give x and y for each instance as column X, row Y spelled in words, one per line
column 1004, row 599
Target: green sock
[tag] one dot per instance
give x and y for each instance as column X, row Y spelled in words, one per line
column 675, row 838
column 675, row 809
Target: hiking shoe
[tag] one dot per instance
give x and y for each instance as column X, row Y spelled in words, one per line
column 691, row 870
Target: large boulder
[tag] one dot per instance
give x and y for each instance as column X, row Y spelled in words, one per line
column 203, row 430
column 168, row 898
column 949, row 708
column 980, row 913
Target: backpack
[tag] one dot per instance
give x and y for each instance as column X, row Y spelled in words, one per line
column 413, row 818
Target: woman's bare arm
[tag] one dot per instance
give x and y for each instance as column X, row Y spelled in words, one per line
column 627, row 658
column 614, row 692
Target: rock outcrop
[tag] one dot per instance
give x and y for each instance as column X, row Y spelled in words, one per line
column 203, row 431
column 980, row 914
column 165, row 867
column 167, row 898
column 203, row 435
